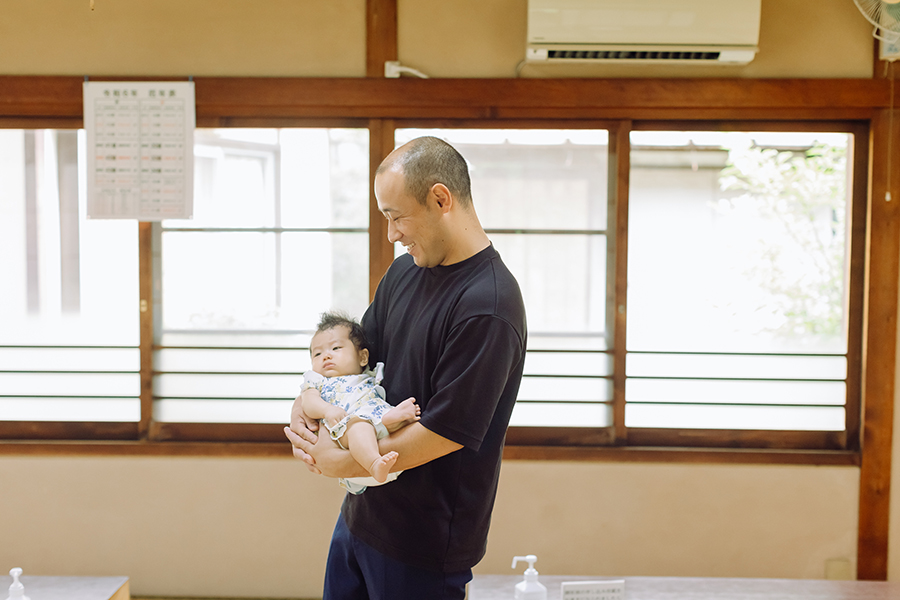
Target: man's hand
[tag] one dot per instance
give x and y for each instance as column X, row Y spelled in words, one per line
column 322, row 456
column 334, row 415
column 303, row 441
column 299, row 420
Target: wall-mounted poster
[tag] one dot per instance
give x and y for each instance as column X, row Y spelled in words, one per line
column 140, row 149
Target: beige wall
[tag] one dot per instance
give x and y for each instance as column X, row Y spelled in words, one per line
column 260, row 527
column 302, row 38
column 310, row 38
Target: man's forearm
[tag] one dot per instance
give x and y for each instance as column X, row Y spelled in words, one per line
column 416, row 446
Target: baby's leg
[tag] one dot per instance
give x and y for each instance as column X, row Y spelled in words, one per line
column 403, row 414
column 363, row 447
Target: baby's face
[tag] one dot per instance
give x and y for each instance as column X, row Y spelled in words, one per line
column 334, row 354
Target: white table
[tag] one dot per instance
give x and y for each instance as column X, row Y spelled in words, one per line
column 502, row 587
column 39, row 587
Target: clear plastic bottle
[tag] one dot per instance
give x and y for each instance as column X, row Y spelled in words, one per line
column 529, row 588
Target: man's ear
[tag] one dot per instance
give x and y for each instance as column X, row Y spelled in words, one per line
column 364, row 357
column 443, row 196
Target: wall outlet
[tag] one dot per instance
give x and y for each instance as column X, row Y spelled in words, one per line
column 610, row 589
column 839, row 569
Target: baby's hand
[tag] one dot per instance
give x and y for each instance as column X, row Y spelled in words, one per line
column 334, row 414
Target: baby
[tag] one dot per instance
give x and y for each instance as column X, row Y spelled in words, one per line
column 344, row 394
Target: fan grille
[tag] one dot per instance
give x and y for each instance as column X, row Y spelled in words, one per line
column 883, row 15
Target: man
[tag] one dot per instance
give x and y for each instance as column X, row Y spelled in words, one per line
column 448, row 322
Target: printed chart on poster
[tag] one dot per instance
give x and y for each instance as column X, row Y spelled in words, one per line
column 140, row 149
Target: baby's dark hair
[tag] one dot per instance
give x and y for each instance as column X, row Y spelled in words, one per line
column 330, row 320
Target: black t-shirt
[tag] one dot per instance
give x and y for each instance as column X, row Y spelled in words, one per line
column 453, row 337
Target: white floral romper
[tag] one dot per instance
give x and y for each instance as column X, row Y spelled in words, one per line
column 360, row 396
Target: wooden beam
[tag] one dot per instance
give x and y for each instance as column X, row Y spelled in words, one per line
column 366, row 98
column 858, row 159
column 145, row 266
column 381, row 251
column 381, row 35
column 618, row 178
column 880, row 352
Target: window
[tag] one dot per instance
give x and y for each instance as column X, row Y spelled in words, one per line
column 708, row 302
column 541, row 195
column 279, row 235
column 69, row 329
column 737, row 290
column 738, row 284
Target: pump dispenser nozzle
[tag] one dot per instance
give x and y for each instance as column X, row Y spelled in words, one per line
column 530, row 588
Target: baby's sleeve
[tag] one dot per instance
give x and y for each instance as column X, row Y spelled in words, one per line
column 313, row 380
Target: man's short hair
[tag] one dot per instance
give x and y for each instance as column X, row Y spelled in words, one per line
column 332, row 319
column 428, row 160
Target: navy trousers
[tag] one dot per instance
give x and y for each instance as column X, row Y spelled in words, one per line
column 356, row 571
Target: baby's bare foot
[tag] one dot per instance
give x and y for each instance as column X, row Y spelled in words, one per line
column 381, row 468
column 403, row 414
column 408, row 410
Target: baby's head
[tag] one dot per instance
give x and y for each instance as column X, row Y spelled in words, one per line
column 339, row 346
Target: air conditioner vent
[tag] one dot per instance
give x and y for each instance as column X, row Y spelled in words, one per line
column 674, row 32
column 630, row 55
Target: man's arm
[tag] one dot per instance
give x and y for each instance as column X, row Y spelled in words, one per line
column 415, row 444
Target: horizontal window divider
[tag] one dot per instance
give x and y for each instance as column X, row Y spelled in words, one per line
column 729, row 404
column 289, row 348
column 68, row 430
column 547, row 231
column 306, row 332
column 780, row 379
column 266, row 229
column 560, row 436
column 144, row 448
column 219, row 432
column 560, row 376
column 560, row 453
column 75, row 372
column 623, row 454
column 233, row 332
column 244, row 373
column 565, row 401
column 576, row 351
column 531, row 375
column 569, row 334
column 775, row 354
column 218, row 398
column 70, row 397
column 65, row 347
column 738, row 438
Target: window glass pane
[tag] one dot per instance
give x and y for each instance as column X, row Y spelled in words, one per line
column 280, row 235
column 735, row 417
column 737, row 279
column 69, row 319
column 743, row 235
column 541, row 195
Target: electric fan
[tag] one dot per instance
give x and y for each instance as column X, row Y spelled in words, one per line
column 884, row 15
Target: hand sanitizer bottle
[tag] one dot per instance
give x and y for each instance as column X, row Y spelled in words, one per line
column 16, row 590
column 529, row 588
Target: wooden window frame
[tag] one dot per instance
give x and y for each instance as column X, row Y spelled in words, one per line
column 618, row 105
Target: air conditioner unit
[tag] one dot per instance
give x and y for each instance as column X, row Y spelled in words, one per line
column 641, row 31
